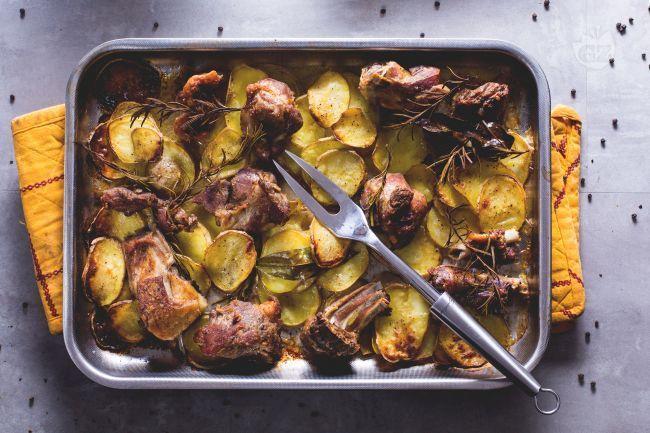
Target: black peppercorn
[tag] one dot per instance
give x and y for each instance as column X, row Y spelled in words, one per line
column 573, row 93
column 155, row 25
column 589, row 197
column 593, row 386
column 615, row 122
column 12, row 98
column 22, row 13
column 596, row 324
column 611, row 61
column 421, row 35
column 382, row 11
column 581, row 378
column 643, row 56
column 630, row 20
column 547, row 3
column 220, row 29
column 618, row 26
column 600, row 275
column 640, row 206
column 634, row 217
column 602, row 142
column 436, row 4
column 534, row 16
column 582, row 181
column 31, row 401
column 587, row 337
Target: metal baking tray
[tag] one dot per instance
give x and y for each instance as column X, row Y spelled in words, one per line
column 149, row 368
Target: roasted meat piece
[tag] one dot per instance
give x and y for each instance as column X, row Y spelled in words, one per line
column 394, row 88
column 271, row 107
column 128, row 202
column 126, row 80
column 485, row 101
column 201, row 87
column 249, row 201
column 398, row 207
column 478, row 289
column 501, row 241
column 334, row 333
column 243, row 332
column 168, row 303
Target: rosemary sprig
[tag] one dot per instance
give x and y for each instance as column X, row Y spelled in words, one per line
column 370, row 205
column 199, row 115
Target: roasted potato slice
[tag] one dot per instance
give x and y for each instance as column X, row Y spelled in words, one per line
column 327, row 249
column 124, row 318
column 355, row 129
column 191, row 349
column 439, row 228
column 104, row 272
column 194, row 242
column 519, row 164
column 174, row 171
column 222, row 148
column 196, row 272
column 421, row 253
column 296, row 307
column 230, row 259
column 109, row 222
column 399, row 335
column 343, row 167
column 470, row 181
column 240, row 77
column 328, row 98
column 422, row 178
column 205, row 218
column 310, row 130
column 357, row 99
column 502, row 204
column 449, row 196
column 343, row 276
column 135, row 141
column 463, row 354
column 406, row 147
column 312, row 152
column 429, row 342
column 285, row 240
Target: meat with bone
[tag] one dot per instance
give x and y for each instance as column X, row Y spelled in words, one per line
column 128, row 202
column 394, row 88
column 478, row 289
column 500, row 241
column 398, row 207
column 242, row 331
column 248, row 202
column 167, row 302
column 334, row 333
column 197, row 90
column 270, row 106
column 485, row 101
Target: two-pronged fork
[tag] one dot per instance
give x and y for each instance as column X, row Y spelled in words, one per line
column 350, row 223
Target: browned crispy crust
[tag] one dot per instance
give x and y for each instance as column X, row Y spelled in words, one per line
column 485, row 101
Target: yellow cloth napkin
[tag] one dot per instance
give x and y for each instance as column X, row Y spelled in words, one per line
column 39, row 143
column 568, row 290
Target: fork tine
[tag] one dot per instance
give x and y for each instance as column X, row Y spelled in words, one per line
column 330, row 187
column 316, row 208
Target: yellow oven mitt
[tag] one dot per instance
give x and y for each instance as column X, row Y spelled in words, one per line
column 38, row 145
column 568, row 290
column 39, row 148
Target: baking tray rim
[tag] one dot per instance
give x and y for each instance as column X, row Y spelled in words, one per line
column 361, row 44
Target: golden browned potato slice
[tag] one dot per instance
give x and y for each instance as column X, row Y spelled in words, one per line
column 310, row 130
column 449, row 196
column 194, row 242
column 355, row 129
column 299, row 219
column 240, row 77
column 519, row 164
column 296, row 307
column 229, row 259
column 502, row 204
column 439, row 228
column 205, row 218
column 196, row 272
column 399, row 335
column 343, row 167
column 327, row 249
column 470, row 181
column 174, row 171
column 357, row 99
column 312, row 152
column 464, row 355
column 285, row 240
column 134, row 142
column 114, row 224
column 429, row 342
column 125, row 321
column 328, row 98
column 422, row 178
column 406, row 146
column 104, row 272
column 222, row 148
column 421, row 253
column 343, row 276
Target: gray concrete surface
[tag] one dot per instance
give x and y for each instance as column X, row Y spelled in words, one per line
column 573, row 41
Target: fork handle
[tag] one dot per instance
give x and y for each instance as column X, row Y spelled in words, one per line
column 452, row 314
